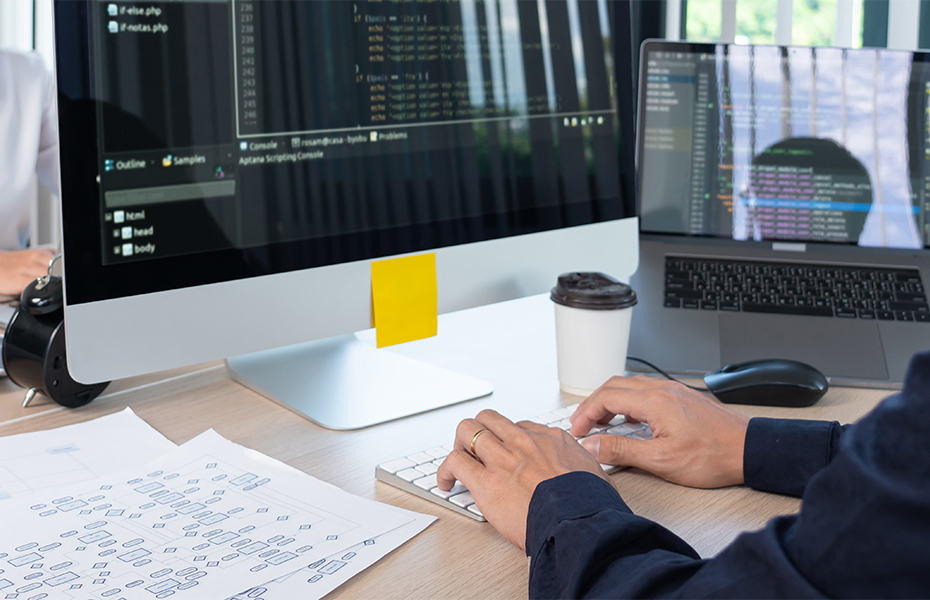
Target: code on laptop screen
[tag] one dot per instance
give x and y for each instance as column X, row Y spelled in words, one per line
column 774, row 143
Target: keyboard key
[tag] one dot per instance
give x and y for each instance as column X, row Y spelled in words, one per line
column 908, row 306
column 398, row 465
column 693, row 294
column 426, row 483
column 689, row 303
column 886, row 315
column 564, row 424
column 566, row 412
column 903, row 315
column 420, row 458
column 708, row 305
column 438, row 452
column 846, row 313
column 868, row 314
column 788, row 310
column 409, row 474
column 645, row 434
column 910, row 297
column 730, row 306
column 672, row 303
column 907, row 276
column 627, row 428
column 463, row 499
column 427, row 468
column 474, row 508
column 679, row 284
column 923, row 317
column 549, row 418
column 457, row 489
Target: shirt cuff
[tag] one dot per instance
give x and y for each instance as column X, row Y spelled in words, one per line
column 781, row 455
column 570, row 496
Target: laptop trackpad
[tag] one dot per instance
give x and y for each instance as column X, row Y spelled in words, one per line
column 837, row 347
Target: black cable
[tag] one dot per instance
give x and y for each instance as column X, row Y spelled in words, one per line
column 661, row 372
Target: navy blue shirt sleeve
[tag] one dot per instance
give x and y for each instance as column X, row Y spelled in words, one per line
column 862, row 530
column 781, row 455
column 584, row 542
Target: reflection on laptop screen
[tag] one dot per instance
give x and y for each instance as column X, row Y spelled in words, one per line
column 805, row 144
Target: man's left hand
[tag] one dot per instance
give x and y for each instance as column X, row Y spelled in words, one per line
column 510, row 460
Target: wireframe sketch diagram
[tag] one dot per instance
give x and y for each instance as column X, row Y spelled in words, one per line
column 207, row 520
column 39, row 460
column 324, row 575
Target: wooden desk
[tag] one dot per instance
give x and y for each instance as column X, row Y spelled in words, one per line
column 510, row 344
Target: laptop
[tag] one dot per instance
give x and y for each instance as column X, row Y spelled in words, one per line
column 783, row 197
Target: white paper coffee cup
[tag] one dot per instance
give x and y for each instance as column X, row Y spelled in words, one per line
column 593, row 313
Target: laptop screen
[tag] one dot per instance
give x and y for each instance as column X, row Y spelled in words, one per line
column 774, row 143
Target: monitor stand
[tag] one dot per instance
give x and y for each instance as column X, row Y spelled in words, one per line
column 343, row 383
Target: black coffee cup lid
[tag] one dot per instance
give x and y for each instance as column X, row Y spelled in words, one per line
column 594, row 291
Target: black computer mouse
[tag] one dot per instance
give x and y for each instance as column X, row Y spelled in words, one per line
column 769, row 382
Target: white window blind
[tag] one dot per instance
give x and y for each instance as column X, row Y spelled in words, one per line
column 16, row 24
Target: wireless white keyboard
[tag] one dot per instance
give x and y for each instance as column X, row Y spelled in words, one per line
column 417, row 473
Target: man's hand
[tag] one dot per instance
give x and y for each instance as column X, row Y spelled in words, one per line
column 695, row 441
column 19, row 269
column 511, row 460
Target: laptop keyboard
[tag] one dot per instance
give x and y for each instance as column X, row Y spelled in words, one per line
column 416, row 473
column 847, row 292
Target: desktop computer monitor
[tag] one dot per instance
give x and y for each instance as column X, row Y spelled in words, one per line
column 230, row 169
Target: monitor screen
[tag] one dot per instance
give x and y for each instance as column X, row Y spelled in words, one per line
column 796, row 144
column 231, row 168
column 214, row 140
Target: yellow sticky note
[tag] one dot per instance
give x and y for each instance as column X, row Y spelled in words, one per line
column 404, row 298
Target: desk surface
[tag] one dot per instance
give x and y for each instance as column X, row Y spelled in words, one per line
column 512, row 345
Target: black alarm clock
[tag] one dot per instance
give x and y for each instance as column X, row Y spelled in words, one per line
column 34, row 346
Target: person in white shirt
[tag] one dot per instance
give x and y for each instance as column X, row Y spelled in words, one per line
column 28, row 146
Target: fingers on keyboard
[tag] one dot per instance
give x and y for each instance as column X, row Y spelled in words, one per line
column 419, row 469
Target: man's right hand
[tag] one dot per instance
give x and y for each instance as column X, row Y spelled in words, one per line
column 19, row 269
column 695, row 442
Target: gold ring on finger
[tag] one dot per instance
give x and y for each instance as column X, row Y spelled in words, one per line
column 475, row 439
